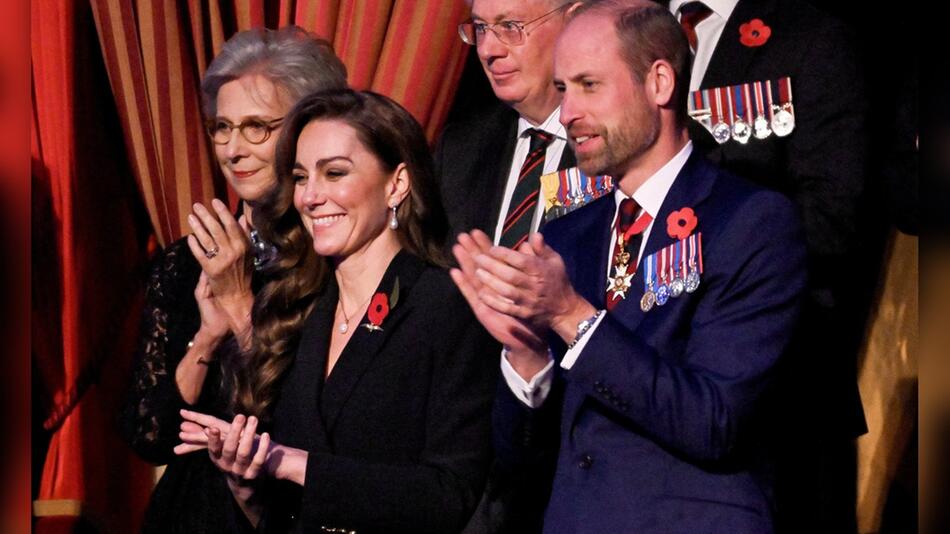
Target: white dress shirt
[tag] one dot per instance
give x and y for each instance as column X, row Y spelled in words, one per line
column 707, row 34
column 552, row 157
column 649, row 197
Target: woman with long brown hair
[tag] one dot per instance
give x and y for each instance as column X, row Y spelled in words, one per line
column 367, row 367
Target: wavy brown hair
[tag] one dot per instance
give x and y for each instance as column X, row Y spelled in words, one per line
column 298, row 276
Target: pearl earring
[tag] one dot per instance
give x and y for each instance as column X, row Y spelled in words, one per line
column 393, row 222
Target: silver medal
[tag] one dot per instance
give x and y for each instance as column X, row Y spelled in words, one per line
column 692, row 281
column 783, row 120
column 741, row 131
column 677, row 286
column 760, row 127
column 721, row 132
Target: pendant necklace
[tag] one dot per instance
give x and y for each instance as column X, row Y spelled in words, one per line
column 345, row 327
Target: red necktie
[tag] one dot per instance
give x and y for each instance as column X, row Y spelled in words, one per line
column 691, row 14
column 525, row 196
column 630, row 234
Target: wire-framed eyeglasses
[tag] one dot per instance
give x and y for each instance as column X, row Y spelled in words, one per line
column 509, row 32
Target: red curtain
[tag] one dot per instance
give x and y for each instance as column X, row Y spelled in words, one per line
column 89, row 251
column 119, row 154
column 156, row 53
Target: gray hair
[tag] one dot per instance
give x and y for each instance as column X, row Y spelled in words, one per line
column 291, row 58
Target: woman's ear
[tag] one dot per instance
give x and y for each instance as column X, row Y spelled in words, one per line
column 398, row 187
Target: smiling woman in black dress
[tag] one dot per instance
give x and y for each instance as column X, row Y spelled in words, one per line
column 370, row 371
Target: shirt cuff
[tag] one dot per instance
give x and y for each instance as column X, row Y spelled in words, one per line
column 570, row 357
column 532, row 392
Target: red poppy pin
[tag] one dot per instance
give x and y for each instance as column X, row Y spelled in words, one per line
column 754, row 33
column 379, row 308
column 681, row 223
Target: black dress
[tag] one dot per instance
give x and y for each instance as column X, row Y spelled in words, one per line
column 192, row 495
column 399, row 434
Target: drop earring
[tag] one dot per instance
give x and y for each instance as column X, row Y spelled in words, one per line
column 393, row 222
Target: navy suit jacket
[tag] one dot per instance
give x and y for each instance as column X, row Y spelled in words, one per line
column 662, row 416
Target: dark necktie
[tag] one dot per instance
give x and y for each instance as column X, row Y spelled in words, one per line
column 691, row 14
column 627, row 246
column 521, row 210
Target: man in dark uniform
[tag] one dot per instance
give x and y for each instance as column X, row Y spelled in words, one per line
column 817, row 157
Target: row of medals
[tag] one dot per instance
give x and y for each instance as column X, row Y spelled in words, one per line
column 782, row 124
column 620, row 283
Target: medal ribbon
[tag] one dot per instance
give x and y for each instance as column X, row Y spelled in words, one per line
column 678, row 262
column 768, row 87
column 759, row 100
column 740, row 104
column 728, row 99
column 715, row 105
column 785, row 90
column 747, row 100
column 650, row 273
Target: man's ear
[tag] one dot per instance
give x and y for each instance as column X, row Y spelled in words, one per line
column 661, row 82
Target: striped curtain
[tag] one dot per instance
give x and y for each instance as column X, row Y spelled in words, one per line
column 156, row 53
column 89, row 257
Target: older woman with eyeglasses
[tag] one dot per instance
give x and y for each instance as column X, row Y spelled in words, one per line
column 201, row 288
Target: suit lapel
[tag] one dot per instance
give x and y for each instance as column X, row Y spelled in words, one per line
column 495, row 163
column 365, row 344
column 731, row 59
column 309, row 363
column 591, row 276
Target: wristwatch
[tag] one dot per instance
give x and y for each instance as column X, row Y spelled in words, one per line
column 583, row 327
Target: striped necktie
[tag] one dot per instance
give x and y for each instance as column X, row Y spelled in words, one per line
column 524, row 200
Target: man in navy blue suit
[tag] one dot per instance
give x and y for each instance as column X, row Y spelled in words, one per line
column 642, row 332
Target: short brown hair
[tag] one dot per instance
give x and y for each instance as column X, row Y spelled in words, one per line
column 647, row 31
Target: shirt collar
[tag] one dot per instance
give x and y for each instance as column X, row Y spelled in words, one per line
column 652, row 193
column 722, row 8
column 551, row 125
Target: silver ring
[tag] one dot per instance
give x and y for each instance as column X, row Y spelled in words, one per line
column 212, row 252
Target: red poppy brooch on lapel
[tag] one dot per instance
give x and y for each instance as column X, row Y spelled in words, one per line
column 681, row 223
column 754, row 33
column 379, row 308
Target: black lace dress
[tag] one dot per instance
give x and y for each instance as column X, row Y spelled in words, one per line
column 192, row 495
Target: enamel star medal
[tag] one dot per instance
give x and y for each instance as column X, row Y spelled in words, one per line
column 619, row 283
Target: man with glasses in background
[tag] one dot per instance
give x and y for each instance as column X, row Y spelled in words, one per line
column 490, row 162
